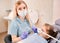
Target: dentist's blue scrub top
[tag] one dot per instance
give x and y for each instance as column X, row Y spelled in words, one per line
column 17, row 27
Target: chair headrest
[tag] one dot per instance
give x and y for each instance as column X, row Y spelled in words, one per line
column 57, row 22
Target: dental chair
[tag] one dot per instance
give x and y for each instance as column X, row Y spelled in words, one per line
column 57, row 25
column 8, row 39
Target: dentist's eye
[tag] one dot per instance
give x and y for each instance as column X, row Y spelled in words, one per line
column 24, row 7
column 20, row 9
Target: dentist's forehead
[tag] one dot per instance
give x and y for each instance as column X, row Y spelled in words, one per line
column 21, row 5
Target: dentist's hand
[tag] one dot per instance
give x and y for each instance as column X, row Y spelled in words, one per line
column 34, row 29
column 24, row 35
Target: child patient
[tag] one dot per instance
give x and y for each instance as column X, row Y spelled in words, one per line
column 49, row 29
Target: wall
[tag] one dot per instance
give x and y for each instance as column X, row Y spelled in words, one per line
column 46, row 11
column 3, row 7
column 12, row 2
column 49, row 9
column 56, row 10
column 45, row 8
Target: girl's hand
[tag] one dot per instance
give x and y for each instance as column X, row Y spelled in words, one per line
column 34, row 29
column 24, row 35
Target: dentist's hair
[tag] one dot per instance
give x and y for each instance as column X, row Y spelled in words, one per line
column 17, row 4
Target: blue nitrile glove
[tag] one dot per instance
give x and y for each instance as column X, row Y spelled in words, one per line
column 34, row 29
column 24, row 35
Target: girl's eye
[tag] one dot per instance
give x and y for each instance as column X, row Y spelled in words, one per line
column 23, row 7
column 19, row 8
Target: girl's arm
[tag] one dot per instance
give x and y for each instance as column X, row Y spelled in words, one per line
column 15, row 39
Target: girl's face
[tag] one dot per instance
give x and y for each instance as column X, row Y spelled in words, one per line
column 21, row 7
column 22, row 10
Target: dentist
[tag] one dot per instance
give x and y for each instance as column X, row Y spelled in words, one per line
column 20, row 27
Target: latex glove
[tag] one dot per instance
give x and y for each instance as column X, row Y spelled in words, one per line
column 24, row 35
column 34, row 29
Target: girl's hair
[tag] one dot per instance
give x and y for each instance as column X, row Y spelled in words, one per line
column 17, row 4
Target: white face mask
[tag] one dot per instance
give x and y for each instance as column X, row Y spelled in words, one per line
column 22, row 13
